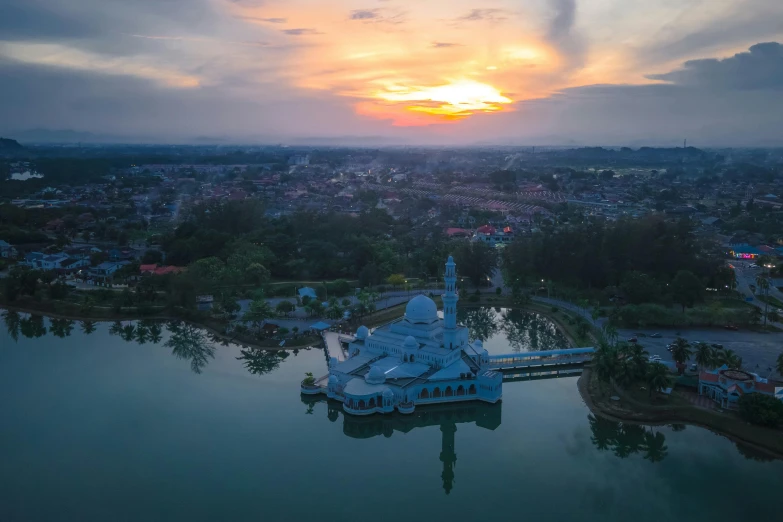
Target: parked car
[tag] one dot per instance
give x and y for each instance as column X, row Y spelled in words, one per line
column 655, row 358
column 731, row 327
column 632, row 339
column 717, row 346
column 655, row 335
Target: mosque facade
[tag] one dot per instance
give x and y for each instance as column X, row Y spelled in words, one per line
column 415, row 360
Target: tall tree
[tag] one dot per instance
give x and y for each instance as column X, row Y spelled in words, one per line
column 705, row 355
column 476, row 260
column 681, row 351
column 657, row 378
column 687, row 289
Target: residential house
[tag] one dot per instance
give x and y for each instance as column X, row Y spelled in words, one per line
column 7, row 250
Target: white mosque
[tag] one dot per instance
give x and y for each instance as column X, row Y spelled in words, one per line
column 418, row 359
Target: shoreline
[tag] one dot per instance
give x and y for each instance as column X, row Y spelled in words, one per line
column 737, row 431
column 153, row 317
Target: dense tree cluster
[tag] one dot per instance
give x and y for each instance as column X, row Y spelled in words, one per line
column 645, row 260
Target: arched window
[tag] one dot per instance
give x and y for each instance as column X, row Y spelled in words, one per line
column 472, row 389
column 436, row 393
column 361, row 404
column 372, row 402
column 460, row 390
column 425, row 394
column 411, row 358
column 449, row 392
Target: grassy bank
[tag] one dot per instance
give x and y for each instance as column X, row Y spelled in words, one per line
column 630, row 408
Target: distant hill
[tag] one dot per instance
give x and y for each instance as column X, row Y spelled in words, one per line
column 9, row 145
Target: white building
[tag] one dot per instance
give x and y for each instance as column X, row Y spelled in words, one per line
column 418, row 359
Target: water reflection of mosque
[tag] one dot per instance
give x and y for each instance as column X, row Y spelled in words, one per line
column 447, row 416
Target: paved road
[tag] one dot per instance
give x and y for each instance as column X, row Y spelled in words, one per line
column 747, row 276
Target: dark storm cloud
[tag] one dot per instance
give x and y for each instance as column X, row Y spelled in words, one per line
column 95, row 23
column 759, row 68
column 563, row 36
column 748, row 21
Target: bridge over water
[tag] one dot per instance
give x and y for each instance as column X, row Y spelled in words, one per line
column 549, row 359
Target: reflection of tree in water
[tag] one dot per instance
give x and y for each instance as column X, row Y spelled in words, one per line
column 625, row 440
column 259, row 362
column 32, row 327
column 155, row 331
column 142, row 332
column 88, row 327
column 482, row 322
column 61, row 327
column 189, row 342
column 12, row 323
column 752, row 453
column 531, row 332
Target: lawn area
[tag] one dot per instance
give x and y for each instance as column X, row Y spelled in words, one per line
column 771, row 301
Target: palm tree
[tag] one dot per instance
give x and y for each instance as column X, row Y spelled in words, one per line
column 681, row 351
column 610, row 333
column 730, row 359
column 657, row 377
column 705, row 355
column 606, row 362
column 636, row 356
column 763, row 284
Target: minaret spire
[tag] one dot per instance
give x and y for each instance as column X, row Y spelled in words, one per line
column 450, row 299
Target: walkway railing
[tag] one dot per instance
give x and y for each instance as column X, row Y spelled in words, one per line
column 512, row 361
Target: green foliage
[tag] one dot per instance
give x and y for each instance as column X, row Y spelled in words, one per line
column 681, row 350
column 764, row 410
column 599, row 254
column 687, row 289
column 657, row 377
column 309, row 379
column 476, row 260
column 285, row 307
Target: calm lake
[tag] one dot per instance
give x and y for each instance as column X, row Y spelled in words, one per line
column 155, row 422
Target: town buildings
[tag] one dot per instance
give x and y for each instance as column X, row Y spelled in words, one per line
column 725, row 386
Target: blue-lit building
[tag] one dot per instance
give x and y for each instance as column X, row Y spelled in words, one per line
column 417, row 359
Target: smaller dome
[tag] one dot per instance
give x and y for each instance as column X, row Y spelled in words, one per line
column 387, row 393
column 478, row 345
column 333, row 379
column 362, row 332
column 332, row 362
column 411, row 343
column 485, row 353
column 375, row 376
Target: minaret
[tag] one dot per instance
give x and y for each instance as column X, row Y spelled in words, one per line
column 447, row 455
column 450, row 305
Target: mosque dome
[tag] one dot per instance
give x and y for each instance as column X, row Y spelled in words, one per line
column 387, row 394
column 421, row 309
column 410, row 343
column 375, row 376
column 362, row 332
column 478, row 345
column 333, row 379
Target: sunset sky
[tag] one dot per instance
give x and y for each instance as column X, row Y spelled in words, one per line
column 397, row 71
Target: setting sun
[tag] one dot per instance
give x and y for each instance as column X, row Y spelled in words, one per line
column 454, row 100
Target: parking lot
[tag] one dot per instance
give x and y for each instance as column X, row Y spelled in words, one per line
column 759, row 351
